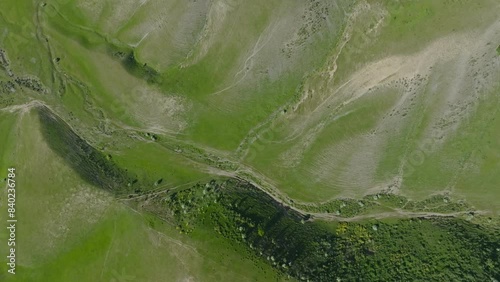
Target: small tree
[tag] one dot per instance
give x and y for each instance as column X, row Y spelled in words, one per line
column 260, row 231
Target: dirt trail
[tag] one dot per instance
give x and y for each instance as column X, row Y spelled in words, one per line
column 395, row 214
column 270, row 188
column 23, row 108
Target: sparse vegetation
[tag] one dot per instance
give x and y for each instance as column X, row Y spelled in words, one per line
column 91, row 164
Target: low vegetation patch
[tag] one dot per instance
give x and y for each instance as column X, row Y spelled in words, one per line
column 443, row 249
column 91, row 165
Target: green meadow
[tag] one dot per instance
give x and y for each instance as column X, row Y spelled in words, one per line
column 328, row 118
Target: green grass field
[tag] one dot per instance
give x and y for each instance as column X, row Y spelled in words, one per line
column 69, row 230
column 339, row 110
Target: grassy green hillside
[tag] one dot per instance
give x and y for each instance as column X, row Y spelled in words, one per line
column 329, row 120
column 69, row 229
